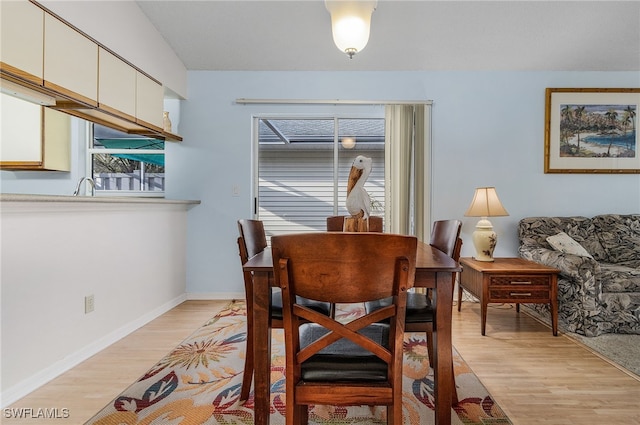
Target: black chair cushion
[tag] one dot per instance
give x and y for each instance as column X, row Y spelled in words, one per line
column 419, row 307
column 276, row 305
column 344, row 361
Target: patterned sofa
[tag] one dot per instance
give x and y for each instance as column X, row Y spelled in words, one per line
column 598, row 290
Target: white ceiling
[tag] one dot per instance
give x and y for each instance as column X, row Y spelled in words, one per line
column 405, row 35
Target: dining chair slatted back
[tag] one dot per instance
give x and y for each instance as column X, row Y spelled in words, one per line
column 252, row 241
column 329, row 362
column 335, row 223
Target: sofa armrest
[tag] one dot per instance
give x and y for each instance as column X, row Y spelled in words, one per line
column 579, row 288
column 581, row 269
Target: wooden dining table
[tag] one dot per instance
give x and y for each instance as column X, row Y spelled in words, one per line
column 433, row 270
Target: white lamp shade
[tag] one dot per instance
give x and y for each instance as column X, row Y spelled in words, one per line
column 486, row 204
column 350, row 23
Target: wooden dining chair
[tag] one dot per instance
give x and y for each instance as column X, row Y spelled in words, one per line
column 253, row 240
column 334, row 363
column 335, row 223
column 445, row 236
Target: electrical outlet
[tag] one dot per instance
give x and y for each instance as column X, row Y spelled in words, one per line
column 89, row 304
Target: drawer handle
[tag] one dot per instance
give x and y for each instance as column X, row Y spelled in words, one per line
column 520, row 294
column 521, row 282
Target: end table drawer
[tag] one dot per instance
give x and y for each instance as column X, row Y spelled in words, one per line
column 519, row 293
column 519, row 281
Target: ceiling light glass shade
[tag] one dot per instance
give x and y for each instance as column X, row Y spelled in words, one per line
column 350, row 23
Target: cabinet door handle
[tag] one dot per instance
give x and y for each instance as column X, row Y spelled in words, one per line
column 520, row 294
column 521, row 282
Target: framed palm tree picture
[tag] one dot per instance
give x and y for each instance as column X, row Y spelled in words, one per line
column 590, row 130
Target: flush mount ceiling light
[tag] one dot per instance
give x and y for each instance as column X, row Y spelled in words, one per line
column 350, row 23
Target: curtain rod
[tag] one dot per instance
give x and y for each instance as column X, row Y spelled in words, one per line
column 333, row 101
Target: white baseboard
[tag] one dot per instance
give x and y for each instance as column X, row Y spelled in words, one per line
column 16, row 392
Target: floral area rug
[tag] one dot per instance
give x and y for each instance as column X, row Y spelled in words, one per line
column 199, row 383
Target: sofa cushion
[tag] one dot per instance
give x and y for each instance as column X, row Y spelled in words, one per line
column 534, row 231
column 565, row 243
column 619, row 278
column 620, row 238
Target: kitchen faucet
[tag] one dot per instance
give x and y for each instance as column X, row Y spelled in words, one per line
column 89, row 180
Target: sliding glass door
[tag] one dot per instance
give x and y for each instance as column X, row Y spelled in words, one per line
column 303, row 167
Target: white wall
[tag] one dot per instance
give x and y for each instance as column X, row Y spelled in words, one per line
column 131, row 257
column 488, row 130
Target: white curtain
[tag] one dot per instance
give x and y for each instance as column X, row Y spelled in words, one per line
column 408, row 169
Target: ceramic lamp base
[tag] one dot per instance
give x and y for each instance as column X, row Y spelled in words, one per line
column 484, row 240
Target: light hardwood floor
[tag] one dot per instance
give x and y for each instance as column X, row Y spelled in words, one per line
column 88, row 387
column 536, row 378
column 540, row 379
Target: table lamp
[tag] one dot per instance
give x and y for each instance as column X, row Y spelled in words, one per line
column 485, row 204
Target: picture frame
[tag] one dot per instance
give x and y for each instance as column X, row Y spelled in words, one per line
column 592, row 130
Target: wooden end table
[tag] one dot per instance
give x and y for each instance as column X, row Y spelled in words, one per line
column 510, row 280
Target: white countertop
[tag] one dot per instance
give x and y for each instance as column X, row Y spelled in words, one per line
column 14, row 197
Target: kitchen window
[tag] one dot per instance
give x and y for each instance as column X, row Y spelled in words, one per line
column 121, row 164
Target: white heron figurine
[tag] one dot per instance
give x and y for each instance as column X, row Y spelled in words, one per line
column 358, row 200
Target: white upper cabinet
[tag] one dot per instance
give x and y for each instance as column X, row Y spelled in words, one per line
column 116, row 85
column 21, row 139
column 70, row 61
column 33, row 137
column 54, row 63
column 149, row 101
column 22, row 39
